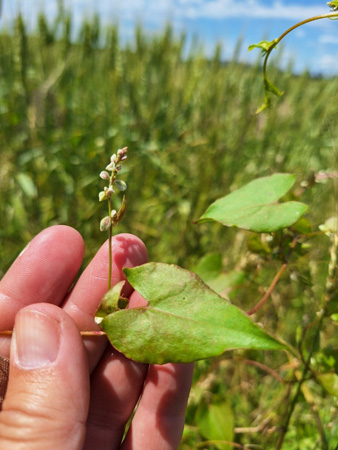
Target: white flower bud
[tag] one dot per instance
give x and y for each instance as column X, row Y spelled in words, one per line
column 113, row 213
column 113, row 158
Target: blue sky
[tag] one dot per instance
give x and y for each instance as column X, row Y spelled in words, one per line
column 313, row 47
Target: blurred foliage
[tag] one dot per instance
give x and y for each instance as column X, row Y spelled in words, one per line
column 188, row 120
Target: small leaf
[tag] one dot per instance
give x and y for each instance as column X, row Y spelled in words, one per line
column 121, row 185
column 270, row 87
column 185, row 320
column 265, row 46
column 329, row 382
column 333, row 5
column 109, row 302
column 216, row 423
column 254, row 206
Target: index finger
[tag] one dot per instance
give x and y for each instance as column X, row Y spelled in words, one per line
column 43, row 272
column 84, row 299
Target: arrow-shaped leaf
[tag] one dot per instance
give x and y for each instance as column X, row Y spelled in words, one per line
column 254, row 206
column 185, row 320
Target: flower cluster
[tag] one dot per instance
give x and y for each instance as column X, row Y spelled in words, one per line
column 113, row 167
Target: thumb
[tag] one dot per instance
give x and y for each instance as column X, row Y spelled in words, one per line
column 47, row 399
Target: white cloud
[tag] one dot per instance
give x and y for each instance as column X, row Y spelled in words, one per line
column 221, row 9
column 328, row 39
column 328, row 63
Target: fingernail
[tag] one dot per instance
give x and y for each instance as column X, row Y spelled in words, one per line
column 36, row 337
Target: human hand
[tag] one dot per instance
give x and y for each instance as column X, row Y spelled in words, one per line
column 69, row 392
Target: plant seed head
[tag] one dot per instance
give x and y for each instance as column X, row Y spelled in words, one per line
column 104, row 175
column 105, row 223
column 111, row 166
column 102, row 196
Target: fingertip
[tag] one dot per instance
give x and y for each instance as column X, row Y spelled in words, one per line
column 62, row 233
column 136, row 248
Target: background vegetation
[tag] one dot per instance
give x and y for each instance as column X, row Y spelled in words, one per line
column 68, row 104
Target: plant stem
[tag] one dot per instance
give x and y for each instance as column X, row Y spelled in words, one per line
column 282, row 36
column 275, row 280
column 83, row 333
column 263, row 367
column 268, row 292
column 110, row 234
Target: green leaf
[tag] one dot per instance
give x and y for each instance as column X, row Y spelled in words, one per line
column 265, row 46
column 185, row 320
column 216, row 423
column 329, row 382
column 254, row 206
column 110, row 302
column 333, row 5
column 270, row 87
column 265, row 105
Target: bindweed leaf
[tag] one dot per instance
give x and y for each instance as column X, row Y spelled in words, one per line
column 110, row 302
column 264, row 46
column 270, row 87
column 254, row 207
column 184, row 321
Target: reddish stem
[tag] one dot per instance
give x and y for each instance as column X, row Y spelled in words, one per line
column 268, row 292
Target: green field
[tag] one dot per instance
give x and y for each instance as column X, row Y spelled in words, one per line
column 189, row 124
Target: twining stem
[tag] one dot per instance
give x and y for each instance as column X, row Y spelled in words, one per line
column 282, row 36
column 275, row 280
column 261, row 366
column 269, row 291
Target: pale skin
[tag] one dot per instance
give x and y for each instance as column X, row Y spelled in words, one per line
column 72, row 392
